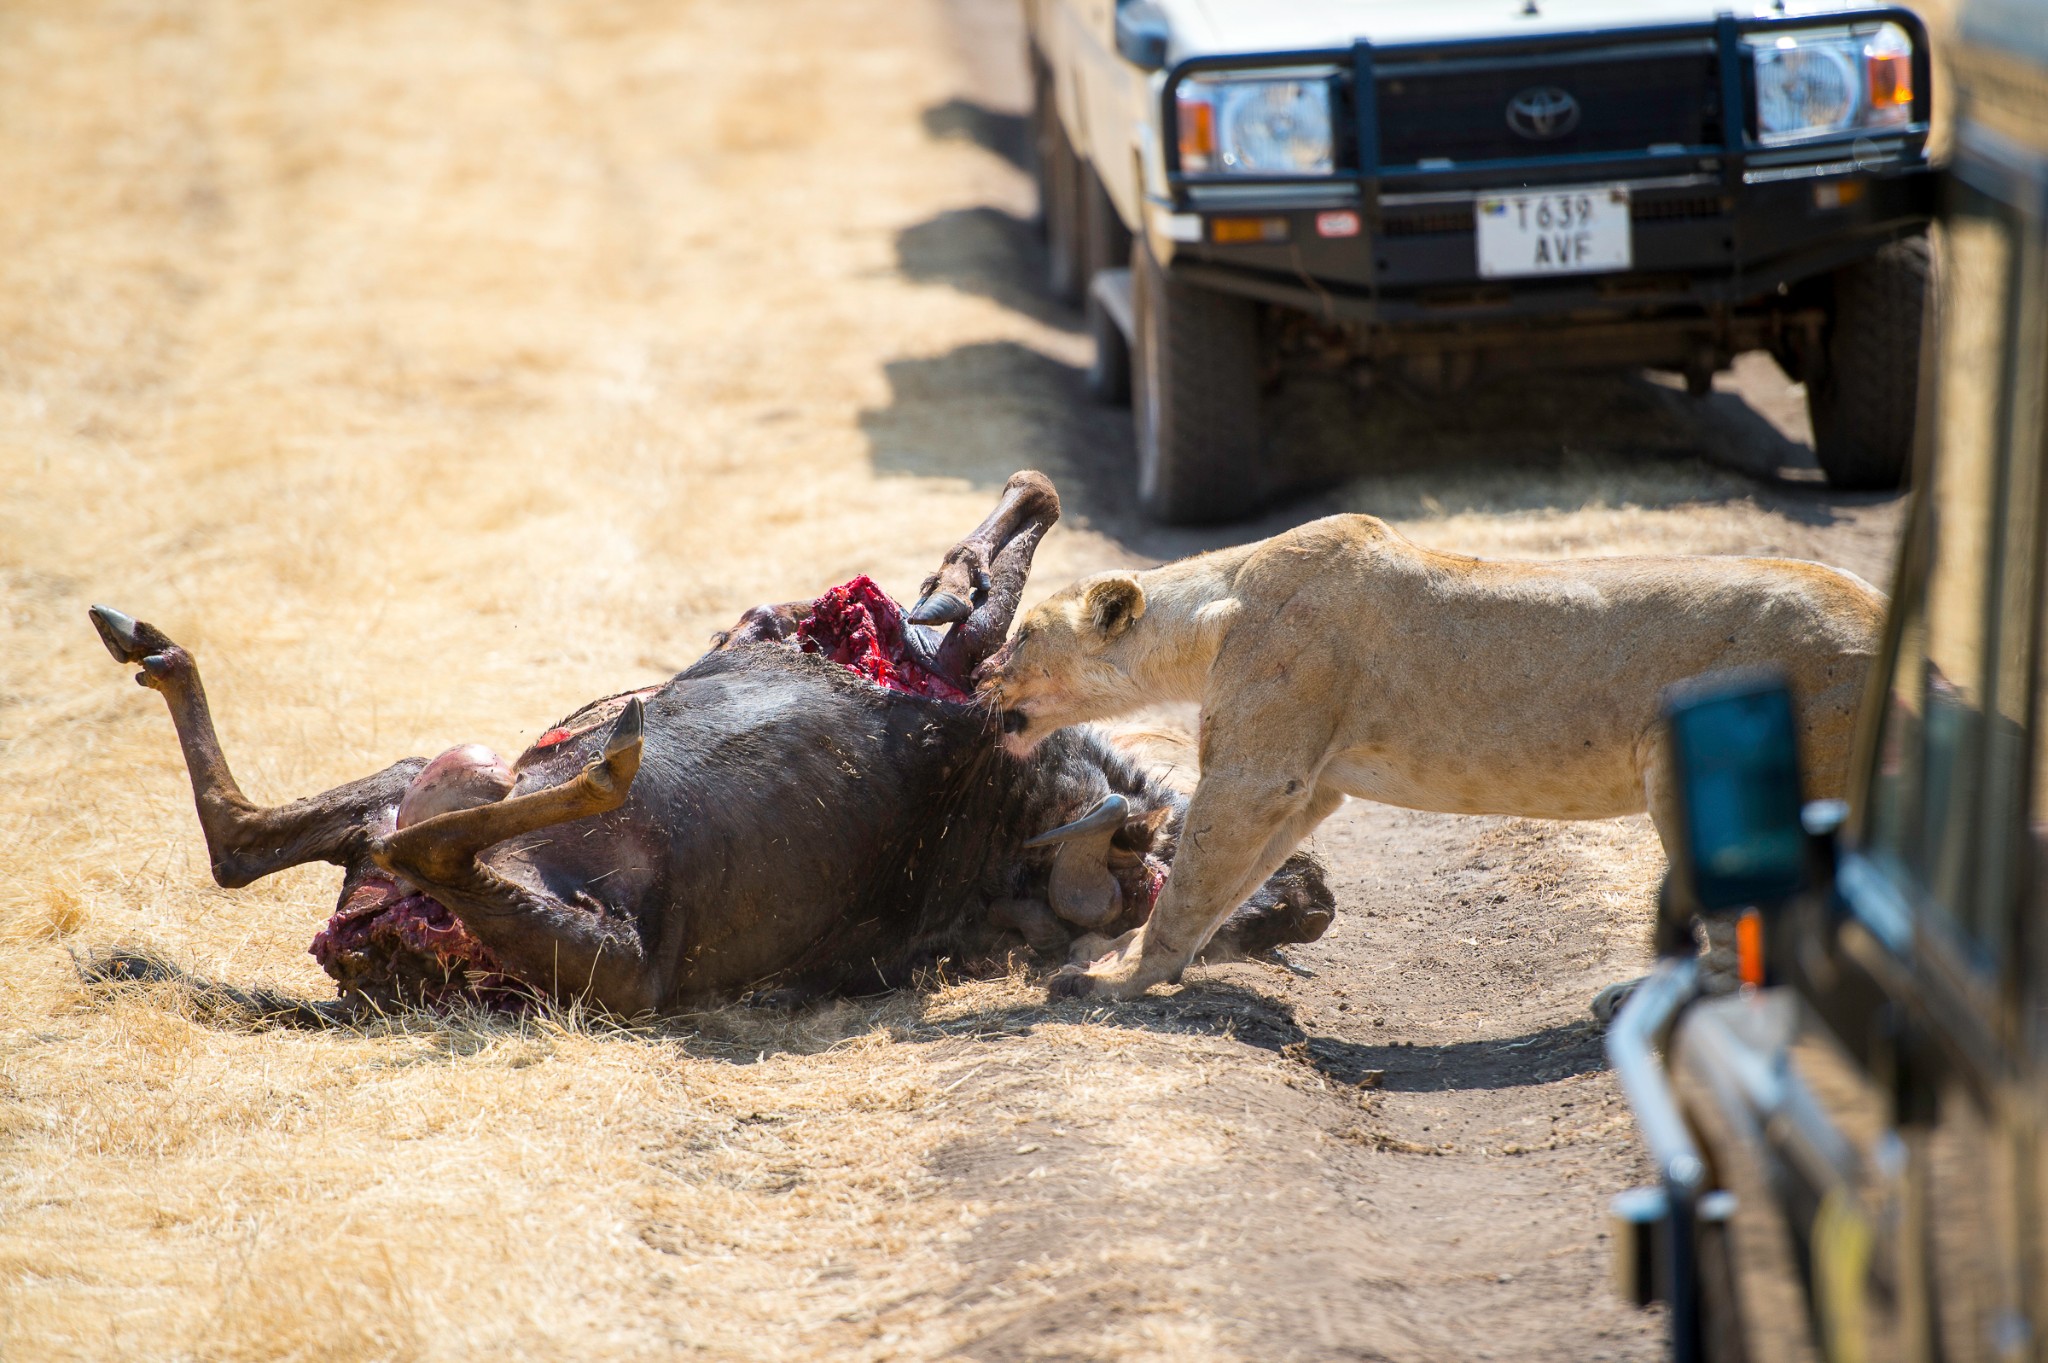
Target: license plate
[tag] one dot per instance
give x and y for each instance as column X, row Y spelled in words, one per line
column 1559, row 231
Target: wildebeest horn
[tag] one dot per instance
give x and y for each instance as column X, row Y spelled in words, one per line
column 626, row 728
column 1083, row 891
column 1105, row 819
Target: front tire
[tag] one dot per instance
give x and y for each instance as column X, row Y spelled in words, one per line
column 1195, row 398
column 1863, row 395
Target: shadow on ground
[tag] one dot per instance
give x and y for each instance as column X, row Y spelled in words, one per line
column 1205, row 1007
column 987, row 252
column 982, row 411
column 745, row 1035
column 1007, row 135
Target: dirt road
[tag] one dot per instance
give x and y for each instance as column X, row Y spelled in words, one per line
column 432, row 369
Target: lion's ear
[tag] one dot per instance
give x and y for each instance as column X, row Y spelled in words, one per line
column 1113, row 604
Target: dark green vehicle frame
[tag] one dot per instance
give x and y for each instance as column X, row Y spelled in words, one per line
column 1850, row 1158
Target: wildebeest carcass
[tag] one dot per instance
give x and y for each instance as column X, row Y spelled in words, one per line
column 815, row 806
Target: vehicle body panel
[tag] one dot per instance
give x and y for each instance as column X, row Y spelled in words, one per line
column 1880, row 1108
column 1218, row 26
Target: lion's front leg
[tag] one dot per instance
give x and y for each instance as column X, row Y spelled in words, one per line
column 1237, row 833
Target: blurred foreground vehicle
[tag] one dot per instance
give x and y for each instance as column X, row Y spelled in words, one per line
column 1440, row 192
column 1850, row 1144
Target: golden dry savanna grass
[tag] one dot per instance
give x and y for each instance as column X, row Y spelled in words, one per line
column 429, row 369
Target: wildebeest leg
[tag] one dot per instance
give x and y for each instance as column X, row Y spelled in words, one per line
column 246, row 841
column 978, row 586
column 438, row 846
column 551, row 944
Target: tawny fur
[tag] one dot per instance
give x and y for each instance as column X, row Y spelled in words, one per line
column 1342, row 659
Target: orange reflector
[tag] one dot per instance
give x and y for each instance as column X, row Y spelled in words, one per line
column 1838, row 194
column 1891, row 79
column 1197, row 134
column 1749, row 948
column 1237, row 231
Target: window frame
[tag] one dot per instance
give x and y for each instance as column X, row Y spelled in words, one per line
column 1898, row 909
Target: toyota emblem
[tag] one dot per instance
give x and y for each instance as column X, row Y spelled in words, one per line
column 1542, row 112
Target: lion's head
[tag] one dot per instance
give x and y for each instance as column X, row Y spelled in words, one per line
column 1069, row 661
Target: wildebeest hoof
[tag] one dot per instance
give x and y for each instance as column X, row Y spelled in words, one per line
column 939, row 608
column 128, row 639
column 117, row 632
column 1608, row 1001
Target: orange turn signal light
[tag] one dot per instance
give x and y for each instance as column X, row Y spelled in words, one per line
column 1838, row 193
column 1244, row 231
column 1197, row 133
column 1749, row 948
column 1891, row 79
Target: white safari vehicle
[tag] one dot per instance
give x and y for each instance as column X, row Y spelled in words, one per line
column 1445, row 190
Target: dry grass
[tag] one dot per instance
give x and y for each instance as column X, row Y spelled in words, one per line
column 430, row 370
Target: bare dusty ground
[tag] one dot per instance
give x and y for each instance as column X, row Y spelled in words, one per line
column 432, row 369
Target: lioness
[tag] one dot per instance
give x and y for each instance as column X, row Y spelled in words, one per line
column 1342, row 659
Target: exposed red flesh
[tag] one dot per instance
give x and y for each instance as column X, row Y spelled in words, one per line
column 389, row 938
column 861, row 629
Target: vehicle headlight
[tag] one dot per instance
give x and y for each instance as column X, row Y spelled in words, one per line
column 1256, row 126
column 1826, row 81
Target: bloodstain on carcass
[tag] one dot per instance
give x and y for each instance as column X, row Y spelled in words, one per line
column 859, row 627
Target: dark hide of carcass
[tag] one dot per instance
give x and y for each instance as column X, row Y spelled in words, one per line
column 812, row 807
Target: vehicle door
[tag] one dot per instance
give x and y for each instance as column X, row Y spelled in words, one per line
column 1941, row 868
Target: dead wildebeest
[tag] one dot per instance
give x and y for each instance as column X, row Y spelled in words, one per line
column 815, row 806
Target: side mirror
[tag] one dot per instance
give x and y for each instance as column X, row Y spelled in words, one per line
column 1734, row 747
column 1142, row 34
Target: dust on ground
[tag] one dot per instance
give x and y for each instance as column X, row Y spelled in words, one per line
column 432, row 369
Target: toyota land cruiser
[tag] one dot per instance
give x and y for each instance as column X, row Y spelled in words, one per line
column 1457, row 189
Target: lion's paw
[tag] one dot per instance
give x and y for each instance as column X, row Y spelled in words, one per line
column 1120, row 973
